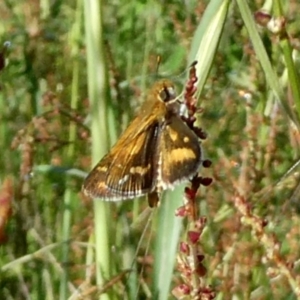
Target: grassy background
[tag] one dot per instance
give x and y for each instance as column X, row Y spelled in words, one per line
column 71, row 83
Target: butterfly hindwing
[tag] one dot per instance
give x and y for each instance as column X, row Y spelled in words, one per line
column 180, row 153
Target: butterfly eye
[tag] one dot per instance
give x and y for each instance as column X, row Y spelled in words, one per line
column 167, row 94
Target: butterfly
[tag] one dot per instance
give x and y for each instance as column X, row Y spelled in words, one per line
column 156, row 151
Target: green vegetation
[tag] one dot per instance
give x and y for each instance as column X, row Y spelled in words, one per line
column 73, row 75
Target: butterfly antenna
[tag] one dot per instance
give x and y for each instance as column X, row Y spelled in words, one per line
column 158, row 63
column 185, row 71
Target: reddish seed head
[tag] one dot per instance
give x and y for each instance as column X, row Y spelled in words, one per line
column 262, row 17
column 190, row 193
column 201, row 270
column 206, row 181
column 200, row 133
column 185, row 289
column 184, row 248
column 200, row 223
column 189, row 85
column 181, row 211
column 200, row 258
column 264, row 223
column 206, row 163
column 194, row 78
column 181, row 291
column 193, row 236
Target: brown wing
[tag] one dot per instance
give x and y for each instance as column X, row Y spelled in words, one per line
column 127, row 171
column 180, row 153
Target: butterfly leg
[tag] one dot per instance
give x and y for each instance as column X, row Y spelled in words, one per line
column 153, row 199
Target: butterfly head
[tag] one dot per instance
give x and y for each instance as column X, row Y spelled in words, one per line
column 164, row 91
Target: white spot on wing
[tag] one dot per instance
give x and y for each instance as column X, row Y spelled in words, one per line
column 123, row 180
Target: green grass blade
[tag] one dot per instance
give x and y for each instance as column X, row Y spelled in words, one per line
column 70, row 197
column 98, row 96
column 287, row 50
column 166, row 241
column 204, row 46
column 207, row 38
column 263, row 58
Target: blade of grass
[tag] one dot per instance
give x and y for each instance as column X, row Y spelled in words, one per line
column 288, row 57
column 263, row 58
column 168, row 230
column 204, row 47
column 206, row 39
column 98, row 96
column 70, row 198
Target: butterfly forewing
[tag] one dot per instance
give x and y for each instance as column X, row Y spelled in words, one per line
column 131, row 172
column 180, row 153
column 127, row 171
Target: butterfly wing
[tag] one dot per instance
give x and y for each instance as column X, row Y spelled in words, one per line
column 180, row 153
column 127, row 171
